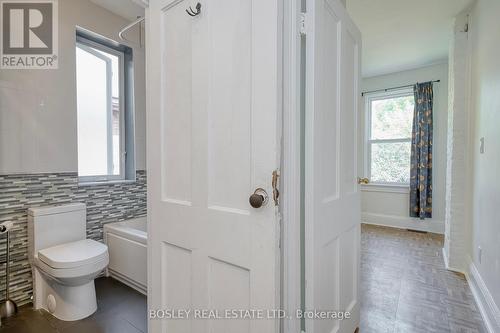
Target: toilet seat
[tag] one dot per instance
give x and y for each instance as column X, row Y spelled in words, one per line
column 71, row 263
column 84, row 252
column 72, row 276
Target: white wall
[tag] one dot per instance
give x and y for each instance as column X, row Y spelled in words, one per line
column 458, row 181
column 38, row 107
column 386, row 206
column 485, row 36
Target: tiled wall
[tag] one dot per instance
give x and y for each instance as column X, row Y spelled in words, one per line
column 18, row 192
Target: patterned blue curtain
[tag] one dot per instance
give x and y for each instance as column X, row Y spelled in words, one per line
column 421, row 153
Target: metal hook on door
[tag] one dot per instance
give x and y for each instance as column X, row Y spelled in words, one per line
column 191, row 12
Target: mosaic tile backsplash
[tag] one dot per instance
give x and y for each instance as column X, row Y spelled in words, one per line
column 18, row 192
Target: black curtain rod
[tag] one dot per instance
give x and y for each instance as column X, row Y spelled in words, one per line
column 393, row 88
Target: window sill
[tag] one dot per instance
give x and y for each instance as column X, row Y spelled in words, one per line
column 387, row 188
column 106, row 182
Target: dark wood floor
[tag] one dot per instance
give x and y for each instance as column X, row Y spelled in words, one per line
column 406, row 288
column 120, row 310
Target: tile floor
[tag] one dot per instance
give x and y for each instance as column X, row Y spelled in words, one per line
column 406, row 288
column 120, row 310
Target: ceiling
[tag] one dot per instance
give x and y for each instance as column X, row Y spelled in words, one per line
column 128, row 9
column 404, row 34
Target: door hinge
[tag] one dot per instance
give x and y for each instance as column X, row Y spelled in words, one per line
column 303, row 24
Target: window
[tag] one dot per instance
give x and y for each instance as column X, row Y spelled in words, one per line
column 101, row 107
column 390, row 120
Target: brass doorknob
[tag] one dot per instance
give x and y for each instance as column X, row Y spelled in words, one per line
column 259, row 198
column 363, row 181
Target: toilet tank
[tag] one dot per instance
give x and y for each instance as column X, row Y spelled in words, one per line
column 53, row 225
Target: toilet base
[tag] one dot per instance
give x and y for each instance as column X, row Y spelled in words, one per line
column 65, row 302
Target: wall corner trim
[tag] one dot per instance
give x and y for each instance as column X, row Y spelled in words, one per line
column 485, row 303
column 451, row 268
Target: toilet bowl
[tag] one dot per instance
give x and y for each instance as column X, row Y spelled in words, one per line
column 63, row 261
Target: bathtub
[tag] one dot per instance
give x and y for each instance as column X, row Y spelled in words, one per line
column 127, row 246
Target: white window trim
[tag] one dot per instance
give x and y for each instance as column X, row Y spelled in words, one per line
column 369, row 98
column 85, row 44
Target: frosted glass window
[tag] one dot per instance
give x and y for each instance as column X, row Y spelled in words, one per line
column 100, row 117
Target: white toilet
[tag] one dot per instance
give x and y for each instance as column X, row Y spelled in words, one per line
column 63, row 261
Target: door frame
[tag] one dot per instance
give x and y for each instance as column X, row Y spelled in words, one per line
column 291, row 167
column 295, row 26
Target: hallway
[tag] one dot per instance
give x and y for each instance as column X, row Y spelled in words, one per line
column 406, row 288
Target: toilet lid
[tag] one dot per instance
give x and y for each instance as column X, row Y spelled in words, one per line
column 74, row 254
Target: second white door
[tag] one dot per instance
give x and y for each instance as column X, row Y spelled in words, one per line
column 332, row 217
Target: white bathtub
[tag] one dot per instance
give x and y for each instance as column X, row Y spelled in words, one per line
column 127, row 245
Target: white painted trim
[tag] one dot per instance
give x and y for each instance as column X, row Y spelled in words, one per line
column 445, row 258
column 387, row 188
column 290, row 171
column 487, row 307
column 149, row 159
column 402, row 222
column 448, row 267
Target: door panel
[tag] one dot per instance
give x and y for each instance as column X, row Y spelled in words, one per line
column 229, row 289
column 332, row 194
column 348, row 106
column 230, row 106
column 176, row 105
column 329, row 122
column 176, row 265
column 212, row 140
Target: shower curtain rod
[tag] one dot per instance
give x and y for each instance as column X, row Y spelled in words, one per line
column 393, row 88
column 125, row 29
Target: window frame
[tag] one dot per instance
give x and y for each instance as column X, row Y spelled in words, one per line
column 85, row 44
column 369, row 98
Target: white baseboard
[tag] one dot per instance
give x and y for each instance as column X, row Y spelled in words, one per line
column 401, row 222
column 487, row 307
column 445, row 258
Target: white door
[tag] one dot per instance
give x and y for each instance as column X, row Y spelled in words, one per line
column 332, row 193
column 212, row 119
